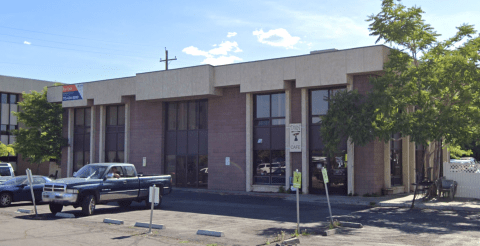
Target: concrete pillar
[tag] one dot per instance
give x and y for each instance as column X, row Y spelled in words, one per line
column 406, row 163
column 288, row 156
column 386, row 161
column 350, row 151
column 305, row 149
column 412, row 165
column 92, row 134
column 126, row 147
column 101, row 138
column 249, row 142
column 71, row 122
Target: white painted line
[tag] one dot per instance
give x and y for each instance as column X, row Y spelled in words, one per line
column 147, row 225
column 210, row 233
column 111, row 221
column 65, row 215
column 25, row 211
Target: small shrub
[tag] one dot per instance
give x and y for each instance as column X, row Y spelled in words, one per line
column 355, row 194
column 372, row 204
column 367, row 195
column 281, row 189
column 305, row 233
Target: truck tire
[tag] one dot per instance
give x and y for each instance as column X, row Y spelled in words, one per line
column 88, row 205
column 5, row 199
column 55, row 208
column 124, row 204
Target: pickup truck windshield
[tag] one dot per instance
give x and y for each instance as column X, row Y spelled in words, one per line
column 93, row 172
column 16, row 181
column 5, row 171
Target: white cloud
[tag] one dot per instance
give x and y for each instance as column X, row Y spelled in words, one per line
column 221, row 60
column 277, row 37
column 231, row 34
column 194, row 51
column 224, row 48
column 26, row 42
column 218, row 55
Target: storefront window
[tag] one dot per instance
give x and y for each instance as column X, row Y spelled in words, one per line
column 81, row 145
column 115, row 134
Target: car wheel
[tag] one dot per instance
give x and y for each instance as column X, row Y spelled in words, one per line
column 88, row 205
column 124, row 204
column 55, row 208
column 5, row 199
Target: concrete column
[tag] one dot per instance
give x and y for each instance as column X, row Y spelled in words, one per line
column 386, row 161
column 249, row 142
column 412, row 165
column 71, row 118
column 350, row 151
column 126, row 150
column 92, row 135
column 406, row 163
column 101, row 138
column 288, row 156
column 305, row 149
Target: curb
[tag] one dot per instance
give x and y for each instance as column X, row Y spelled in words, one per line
column 64, row 215
column 211, row 233
column 25, row 211
column 111, row 221
column 147, row 225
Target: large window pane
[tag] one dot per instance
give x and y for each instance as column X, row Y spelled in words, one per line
column 172, row 116
column 121, row 115
column 78, row 160
column 262, row 106
column 319, row 102
column 203, row 114
column 262, row 162
column 278, row 163
column 181, row 175
column 203, row 171
column 79, row 116
column 88, row 117
column 182, row 116
column 278, row 105
column 192, row 170
column 112, row 115
column 4, row 98
column 171, row 163
column 3, row 130
column 192, row 116
column 13, row 99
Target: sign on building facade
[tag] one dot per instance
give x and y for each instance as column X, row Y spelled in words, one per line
column 295, row 137
column 72, row 92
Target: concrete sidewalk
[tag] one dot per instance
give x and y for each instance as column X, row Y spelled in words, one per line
column 398, row 200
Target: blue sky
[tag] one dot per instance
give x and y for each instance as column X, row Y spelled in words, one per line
column 81, row 41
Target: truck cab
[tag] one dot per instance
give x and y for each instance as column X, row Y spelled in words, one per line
column 6, row 172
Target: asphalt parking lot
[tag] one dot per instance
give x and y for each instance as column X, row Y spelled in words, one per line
column 245, row 220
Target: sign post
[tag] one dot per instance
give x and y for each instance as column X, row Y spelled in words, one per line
column 297, row 183
column 153, row 198
column 30, row 183
column 325, row 181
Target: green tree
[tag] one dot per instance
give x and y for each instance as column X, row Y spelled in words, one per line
column 41, row 138
column 6, row 149
column 429, row 89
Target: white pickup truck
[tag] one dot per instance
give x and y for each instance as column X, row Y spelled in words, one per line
column 6, row 172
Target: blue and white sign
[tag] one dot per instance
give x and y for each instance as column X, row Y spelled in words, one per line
column 72, row 92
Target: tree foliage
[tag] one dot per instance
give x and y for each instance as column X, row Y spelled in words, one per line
column 41, row 138
column 429, row 89
column 6, row 149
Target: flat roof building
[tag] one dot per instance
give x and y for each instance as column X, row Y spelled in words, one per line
column 243, row 126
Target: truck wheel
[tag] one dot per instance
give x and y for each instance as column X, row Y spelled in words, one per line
column 155, row 206
column 124, row 204
column 5, row 200
column 55, row 208
column 88, row 205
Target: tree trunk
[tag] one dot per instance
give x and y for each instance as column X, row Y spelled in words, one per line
column 38, row 169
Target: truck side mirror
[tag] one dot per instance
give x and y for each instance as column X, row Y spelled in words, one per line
column 74, row 174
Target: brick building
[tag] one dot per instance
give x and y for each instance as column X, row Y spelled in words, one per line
column 11, row 89
column 244, row 126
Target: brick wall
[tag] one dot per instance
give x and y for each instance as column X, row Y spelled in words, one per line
column 226, row 138
column 369, row 163
column 146, row 136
